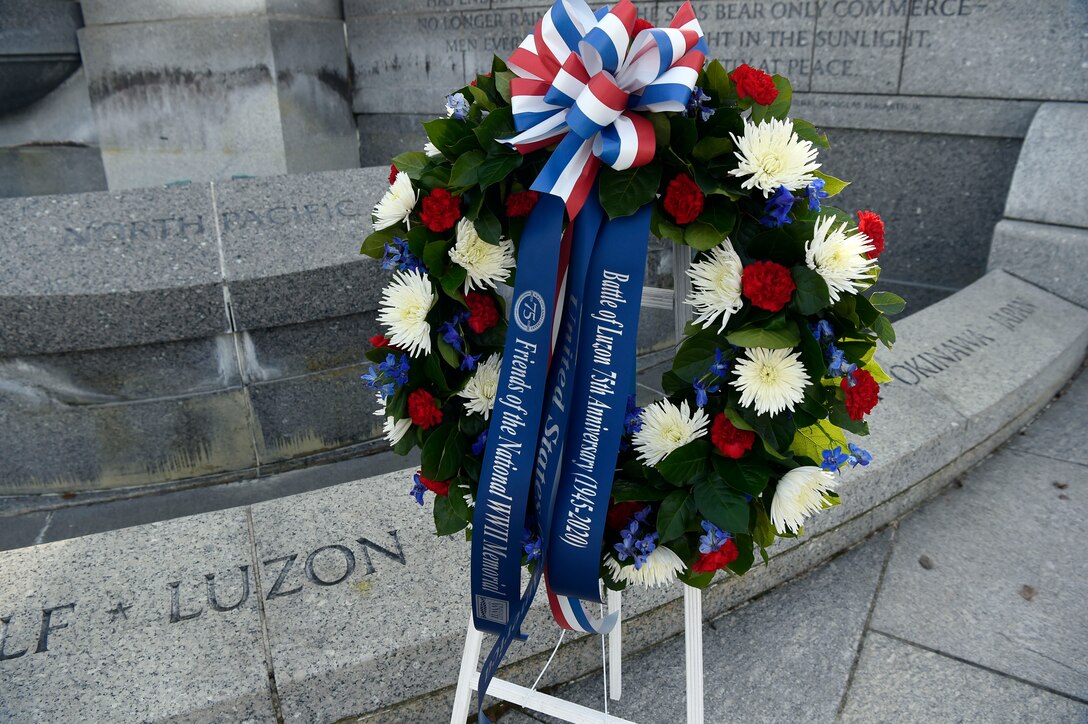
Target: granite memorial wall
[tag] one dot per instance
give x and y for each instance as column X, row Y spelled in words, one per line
column 926, row 101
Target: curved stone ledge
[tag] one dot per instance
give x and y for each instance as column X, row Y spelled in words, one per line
column 363, row 608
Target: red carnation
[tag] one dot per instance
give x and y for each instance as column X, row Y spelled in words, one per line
column 717, row 560
column 732, row 441
column 683, row 199
column 861, row 393
column 521, row 203
column 870, row 224
column 640, row 25
column 755, row 84
column 767, row 284
column 392, row 173
column 435, row 486
column 424, row 409
column 482, row 312
column 620, row 514
column 441, row 210
column 378, row 341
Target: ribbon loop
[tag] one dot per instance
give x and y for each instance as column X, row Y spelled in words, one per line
column 581, row 73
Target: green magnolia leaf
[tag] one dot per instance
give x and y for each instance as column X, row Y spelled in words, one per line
column 502, row 83
column 432, row 368
column 683, row 135
column 458, row 497
column 435, row 256
column 718, row 85
column 887, row 303
column 721, row 505
column 496, row 167
column 442, row 453
column 695, row 356
column 686, row 463
column 807, row 132
column 786, row 247
column 466, row 169
column 778, row 333
column 488, row 227
column 810, row 442
column 450, row 136
column 745, row 554
column 812, row 293
column 449, row 354
column 664, row 228
column 623, row 193
column 763, row 530
column 412, row 163
column 711, row 147
column 674, row 514
column 453, row 281
column 696, row 580
column 702, row 236
column 374, row 245
column 719, row 213
column 841, row 418
column 446, row 519
column 746, row 475
column 867, row 313
column 662, row 129
column 884, row 331
column 878, row 373
column 832, row 185
column 627, row 490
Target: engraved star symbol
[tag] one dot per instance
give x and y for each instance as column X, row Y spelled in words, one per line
column 119, row 611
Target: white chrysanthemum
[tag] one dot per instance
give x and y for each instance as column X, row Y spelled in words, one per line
column 841, row 258
column 397, row 204
column 405, row 305
column 772, row 155
column 395, row 429
column 666, row 427
column 660, row 569
column 771, row 380
column 715, row 282
column 486, row 264
column 799, row 494
column 480, row 390
column 431, row 150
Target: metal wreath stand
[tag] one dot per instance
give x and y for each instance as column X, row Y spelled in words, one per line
column 529, row 697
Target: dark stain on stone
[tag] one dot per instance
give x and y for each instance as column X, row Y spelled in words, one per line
column 1027, row 592
column 335, row 81
column 1060, row 486
column 201, row 82
column 925, row 562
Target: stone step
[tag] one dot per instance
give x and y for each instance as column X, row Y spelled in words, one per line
column 342, row 602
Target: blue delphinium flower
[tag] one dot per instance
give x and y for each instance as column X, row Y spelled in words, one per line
column 837, row 366
column 778, row 208
column 859, row 456
column 816, row 194
column 697, row 105
column 468, row 363
column 457, row 106
column 418, row 490
column 530, row 544
column 823, row 331
column 398, row 258
column 834, row 459
column 480, row 444
column 632, row 419
column 451, row 336
column 638, row 542
column 701, row 390
column 713, row 539
column 388, row 377
column 720, row 365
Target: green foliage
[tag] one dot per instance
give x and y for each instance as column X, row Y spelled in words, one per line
column 810, row 442
column 687, row 463
column 442, row 453
column 832, row 185
column 778, row 333
column 722, row 506
column 622, row 193
column 676, row 512
column 887, row 303
column 446, row 519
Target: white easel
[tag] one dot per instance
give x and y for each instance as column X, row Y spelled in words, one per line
column 529, row 698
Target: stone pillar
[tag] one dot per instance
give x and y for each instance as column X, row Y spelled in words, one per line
column 203, row 90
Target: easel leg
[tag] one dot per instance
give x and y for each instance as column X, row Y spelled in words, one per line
column 615, row 649
column 693, row 644
column 465, row 684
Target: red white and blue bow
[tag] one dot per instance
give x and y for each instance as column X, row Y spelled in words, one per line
column 583, row 81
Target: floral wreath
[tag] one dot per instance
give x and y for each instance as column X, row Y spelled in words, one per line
column 777, row 365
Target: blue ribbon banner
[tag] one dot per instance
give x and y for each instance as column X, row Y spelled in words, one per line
column 537, row 438
column 552, row 436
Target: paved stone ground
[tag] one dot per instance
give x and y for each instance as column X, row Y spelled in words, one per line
column 974, row 608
